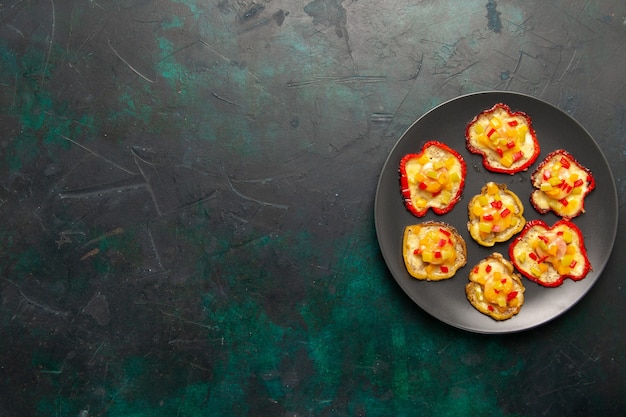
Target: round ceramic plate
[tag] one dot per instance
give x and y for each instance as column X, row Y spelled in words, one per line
column 446, row 123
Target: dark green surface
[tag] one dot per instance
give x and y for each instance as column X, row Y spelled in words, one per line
column 187, row 199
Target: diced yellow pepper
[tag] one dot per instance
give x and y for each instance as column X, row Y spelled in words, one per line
column 483, row 200
column 492, row 188
column 522, row 129
column 567, row 236
column 511, row 133
column 484, row 227
column 454, row 176
column 448, row 254
column 495, row 122
column 563, row 270
column 424, row 159
column 445, row 196
column 433, row 187
column 567, row 259
column 545, row 186
column 553, row 181
column 552, row 249
column 505, row 222
column 507, row 160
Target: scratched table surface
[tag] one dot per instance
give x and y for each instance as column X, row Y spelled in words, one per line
column 187, row 204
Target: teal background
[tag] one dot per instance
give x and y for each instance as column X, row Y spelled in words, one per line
column 187, row 191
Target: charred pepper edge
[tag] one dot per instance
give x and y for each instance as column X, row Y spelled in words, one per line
column 404, row 181
column 583, row 251
column 479, row 151
column 591, row 182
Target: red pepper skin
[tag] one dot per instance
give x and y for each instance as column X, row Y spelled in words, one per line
column 481, row 152
column 404, row 180
column 541, row 224
column 538, row 175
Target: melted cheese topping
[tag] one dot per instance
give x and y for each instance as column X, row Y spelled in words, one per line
column 561, row 186
column 505, row 139
column 550, row 254
column 493, row 213
column 433, row 250
column 434, row 179
column 498, row 288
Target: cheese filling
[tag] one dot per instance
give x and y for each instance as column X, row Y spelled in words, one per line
column 550, row 250
column 435, row 248
column 497, row 287
column 506, row 138
column 560, row 186
column 433, row 179
column 496, row 212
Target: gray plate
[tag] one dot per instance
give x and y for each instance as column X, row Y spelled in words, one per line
column 446, row 300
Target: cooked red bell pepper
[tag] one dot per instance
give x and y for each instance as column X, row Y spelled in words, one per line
column 548, row 255
column 433, row 178
column 561, row 184
column 505, row 139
